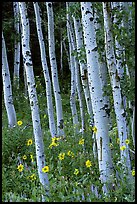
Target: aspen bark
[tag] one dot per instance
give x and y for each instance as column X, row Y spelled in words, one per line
column 27, row 60
column 45, row 71
column 7, row 88
column 115, row 83
column 54, row 71
column 100, row 115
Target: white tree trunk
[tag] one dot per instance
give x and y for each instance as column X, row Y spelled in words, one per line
column 103, row 70
column 54, row 71
column 83, row 68
column 8, row 100
column 45, row 71
column 77, row 74
column 73, row 78
column 100, row 116
column 16, row 45
column 39, row 145
column 115, row 83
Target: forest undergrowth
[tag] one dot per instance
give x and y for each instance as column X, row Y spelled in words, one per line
column 70, row 164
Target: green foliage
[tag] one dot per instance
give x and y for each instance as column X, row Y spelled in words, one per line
column 65, row 186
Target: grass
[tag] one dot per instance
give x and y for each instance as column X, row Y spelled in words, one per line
column 65, row 185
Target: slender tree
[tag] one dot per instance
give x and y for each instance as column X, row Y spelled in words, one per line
column 45, row 71
column 77, row 73
column 7, row 88
column 54, row 71
column 100, row 115
column 73, row 77
column 16, row 45
column 27, row 60
column 116, row 89
column 83, row 67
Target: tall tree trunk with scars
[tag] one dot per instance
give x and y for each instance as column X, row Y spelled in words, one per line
column 73, row 78
column 100, row 115
column 45, row 71
column 54, row 71
column 7, row 89
column 16, row 45
column 77, row 73
column 115, row 83
column 27, row 60
column 84, row 75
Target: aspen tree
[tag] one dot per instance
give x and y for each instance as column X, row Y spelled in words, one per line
column 100, row 115
column 7, row 88
column 77, row 74
column 45, row 71
column 116, row 89
column 54, row 71
column 16, row 45
column 128, row 25
column 83, row 68
column 73, row 77
column 27, row 60
column 84, row 75
column 103, row 70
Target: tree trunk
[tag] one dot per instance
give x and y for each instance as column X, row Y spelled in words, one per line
column 56, row 88
column 73, row 79
column 45, row 71
column 100, row 115
column 8, row 100
column 27, row 60
column 16, row 45
column 115, row 83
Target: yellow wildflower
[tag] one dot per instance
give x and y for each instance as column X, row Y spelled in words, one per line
column 20, row 168
column 29, row 142
column 24, row 157
column 32, row 177
column 54, row 139
column 111, row 145
column 76, row 171
column 94, row 129
column 118, row 140
column 81, row 141
column 133, row 172
column 31, row 156
column 122, row 148
column 88, row 163
column 61, row 156
column 71, row 154
column 127, row 141
column 19, row 122
column 45, row 169
column 53, row 144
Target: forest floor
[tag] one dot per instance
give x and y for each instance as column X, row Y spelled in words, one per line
column 70, row 176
